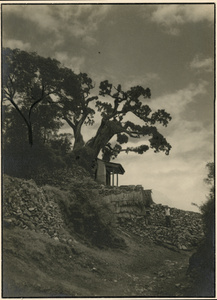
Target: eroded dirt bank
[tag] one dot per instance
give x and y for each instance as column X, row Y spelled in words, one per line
column 38, row 266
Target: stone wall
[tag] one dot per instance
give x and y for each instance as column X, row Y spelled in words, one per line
column 37, row 208
column 130, row 203
column 33, row 208
column 185, row 233
column 126, row 201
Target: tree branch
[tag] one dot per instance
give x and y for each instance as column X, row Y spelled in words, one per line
column 11, row 89
column 91, row 99
column 36, row 102
column 69, row 122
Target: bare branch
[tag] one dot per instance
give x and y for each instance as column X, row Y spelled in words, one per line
column 69, row 122
column 91, row 99
column 20, row 112
column 36, row 102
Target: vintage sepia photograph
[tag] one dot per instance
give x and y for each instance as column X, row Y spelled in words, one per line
column 108, row 149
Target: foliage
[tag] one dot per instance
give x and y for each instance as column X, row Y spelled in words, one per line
column 73, row 103
column 89, row 217
column 211, row 174
column 115, row 113
column 61, row 144
column 30, row 87
column 40, row 95
column 201, row 263
column 29, row 81
column 21, row 160
column 26, row 162
column 208, row 208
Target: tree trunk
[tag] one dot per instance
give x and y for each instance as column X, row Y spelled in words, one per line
column 30, row 135
column 78, row 138
column 104, row 134
column 87, row 154
column 79, row 141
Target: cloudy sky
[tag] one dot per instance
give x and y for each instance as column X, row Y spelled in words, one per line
column 166, row 47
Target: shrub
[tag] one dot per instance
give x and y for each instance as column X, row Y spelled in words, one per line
column 85, row 214
column 201, row 264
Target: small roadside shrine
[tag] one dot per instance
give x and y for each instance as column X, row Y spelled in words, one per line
column 107, row 172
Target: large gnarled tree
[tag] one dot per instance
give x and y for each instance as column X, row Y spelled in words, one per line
column 115, row 122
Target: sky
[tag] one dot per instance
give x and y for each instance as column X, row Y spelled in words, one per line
column 166, row 47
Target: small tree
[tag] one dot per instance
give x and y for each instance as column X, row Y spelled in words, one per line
column 201, row 263
column 73, row 103
column 208, row 208
column 29, row 80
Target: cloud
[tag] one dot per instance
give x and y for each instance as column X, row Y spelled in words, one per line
column 187, row 135
column 171, row 17
column 175, row 103
column 40, row 14
column 179, row 180
column 180, row 175
column 187, row 142
column 89, row 41
column 144, row 81
column 75, row 63
column 79, row 21
column 202, row 65
column 17, row 44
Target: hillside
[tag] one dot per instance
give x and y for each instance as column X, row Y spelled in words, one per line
column 61, row 239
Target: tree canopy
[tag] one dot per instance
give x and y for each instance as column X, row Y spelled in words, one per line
column 28, row 81
column 208, row 208
column 45, row 95
column 202, row 262
column 116, row 121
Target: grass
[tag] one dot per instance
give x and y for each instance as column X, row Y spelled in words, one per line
column 36, row 265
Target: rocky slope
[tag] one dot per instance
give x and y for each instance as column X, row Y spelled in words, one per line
column 43, row 209
column 54, row 230
column 185, row 233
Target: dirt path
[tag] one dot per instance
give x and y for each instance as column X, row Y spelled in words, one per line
column 150, row 270
column 38, row 266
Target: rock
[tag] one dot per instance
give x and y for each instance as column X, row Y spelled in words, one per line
column 26, row 212
column 185, row 233
column 24, row 202
column 94, row 269
column 31, row 208
column 36, row 208
column 9, row 221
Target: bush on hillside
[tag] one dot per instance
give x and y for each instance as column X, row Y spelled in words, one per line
column 92, row 218
column 85, row 214
column 28, row 162
column 201, row 263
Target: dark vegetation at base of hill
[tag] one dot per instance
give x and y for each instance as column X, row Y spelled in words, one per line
column 202, row 263
column 202, row 270
column 89, row 217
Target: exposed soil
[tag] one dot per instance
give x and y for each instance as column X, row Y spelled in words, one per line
column 36, row 265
